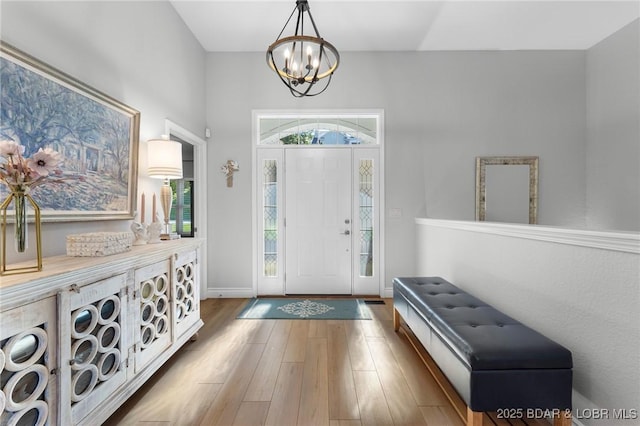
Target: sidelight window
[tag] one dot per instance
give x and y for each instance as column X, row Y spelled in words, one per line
column 366, row 212
column 270, row 217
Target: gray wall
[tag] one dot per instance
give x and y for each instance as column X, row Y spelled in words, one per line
column 139, row 53
column 556, row 288
column 613, row 118
column 442, row 109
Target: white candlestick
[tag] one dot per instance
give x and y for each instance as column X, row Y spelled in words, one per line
column 142, row 212
column 153, row 209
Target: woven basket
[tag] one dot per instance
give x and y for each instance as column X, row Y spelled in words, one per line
column 96, row 244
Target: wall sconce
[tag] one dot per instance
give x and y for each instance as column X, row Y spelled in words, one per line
column 165, row 162
column 228, row 169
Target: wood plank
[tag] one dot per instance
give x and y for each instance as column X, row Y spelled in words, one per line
column 456, row 402
column 286, row 396
column 371, row 328
column 221, row 354
column 439, row 416
column 262, row 330
column 371, row 399
column 224, row 408
column 343, row 403
column 399, row 397
column 358, row 348
column 251, row 413
column 451, row 415
column 297, row 342
column 314, row 394
column 423, row 386
column 264, row 380
column 345, row 423
column 474, row 418
column 317, row 328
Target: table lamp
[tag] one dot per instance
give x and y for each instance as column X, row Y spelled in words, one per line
column 165, row 162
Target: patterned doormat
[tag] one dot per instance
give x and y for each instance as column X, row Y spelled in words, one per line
column 266, row 308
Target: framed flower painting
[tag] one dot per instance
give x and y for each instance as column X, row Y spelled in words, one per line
column 74, row 147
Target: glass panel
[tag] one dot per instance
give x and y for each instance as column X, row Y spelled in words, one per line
column 107, row 337
column 366, row 217
column 321, row 130
column 84, row 382
column 83, row 321
column 108, row 364
column 83, row 352
column 31, row 417
column 108, row 309
column 181, row 216
column 368, row 129
column 25, row 387
column 147, row 313
column 24, row 349
column 269, row 131
column 270, row 213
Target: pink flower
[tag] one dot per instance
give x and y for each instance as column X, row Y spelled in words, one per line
column 10, row 148
column 44, row 161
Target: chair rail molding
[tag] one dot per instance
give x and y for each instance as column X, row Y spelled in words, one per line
column 628, row 242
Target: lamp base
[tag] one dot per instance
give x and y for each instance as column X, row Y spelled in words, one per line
column 172, row 236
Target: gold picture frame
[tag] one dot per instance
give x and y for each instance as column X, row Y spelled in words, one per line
column 96, row 135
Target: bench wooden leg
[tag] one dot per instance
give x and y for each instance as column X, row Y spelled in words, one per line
column 562, row 419
column 396, row 320
column 474, row 418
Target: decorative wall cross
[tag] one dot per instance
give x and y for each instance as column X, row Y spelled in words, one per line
column 228, row 169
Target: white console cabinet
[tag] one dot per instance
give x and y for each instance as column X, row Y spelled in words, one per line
column 80, row 337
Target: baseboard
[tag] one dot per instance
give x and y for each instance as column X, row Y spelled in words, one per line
column 229, row 293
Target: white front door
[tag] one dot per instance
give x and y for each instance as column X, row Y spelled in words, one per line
column 318, row 221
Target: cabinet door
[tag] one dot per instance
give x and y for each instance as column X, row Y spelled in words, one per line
column 152, row 313
column 93, row 345
column 27, row 361
column 186, row 287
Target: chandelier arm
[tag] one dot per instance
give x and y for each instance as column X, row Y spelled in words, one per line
column 287, row 23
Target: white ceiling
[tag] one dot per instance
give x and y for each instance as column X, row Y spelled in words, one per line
column 414, row 25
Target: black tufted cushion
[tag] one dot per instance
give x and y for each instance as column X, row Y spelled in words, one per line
column 486, row 338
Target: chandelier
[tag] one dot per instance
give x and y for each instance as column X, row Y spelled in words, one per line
column 304, row 63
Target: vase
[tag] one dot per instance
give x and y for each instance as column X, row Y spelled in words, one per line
column 22, row 204
column 20, row 222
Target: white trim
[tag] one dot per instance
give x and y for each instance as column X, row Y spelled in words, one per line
column 628, row 242
column 200, row 193
column 233, row 293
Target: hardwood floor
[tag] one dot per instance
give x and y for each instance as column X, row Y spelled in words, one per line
column 290, row 372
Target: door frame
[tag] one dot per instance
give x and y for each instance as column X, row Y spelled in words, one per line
column 258, row 152
column 200, row 192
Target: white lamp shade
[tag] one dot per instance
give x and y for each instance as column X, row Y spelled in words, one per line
column 164, row 159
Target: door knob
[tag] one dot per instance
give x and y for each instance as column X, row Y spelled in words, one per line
column 347, row 232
